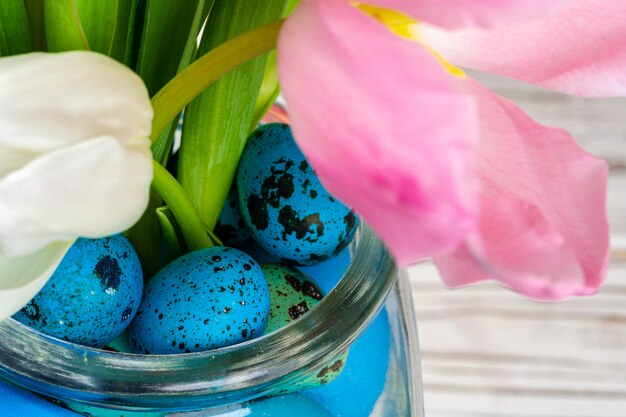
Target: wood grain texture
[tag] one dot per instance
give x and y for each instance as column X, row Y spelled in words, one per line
column 487, row 352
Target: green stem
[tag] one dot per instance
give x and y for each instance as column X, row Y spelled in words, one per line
column 183, row 88
column 186, row 215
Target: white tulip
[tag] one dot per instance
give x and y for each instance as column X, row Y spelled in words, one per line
column 75, row 161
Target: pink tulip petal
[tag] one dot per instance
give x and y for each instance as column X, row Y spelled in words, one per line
column 453, row 14
column 580, row 50
column 543, row 229
column 384, row 126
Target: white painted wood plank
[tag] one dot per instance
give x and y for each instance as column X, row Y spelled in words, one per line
column 488, row 352
column 616, row 208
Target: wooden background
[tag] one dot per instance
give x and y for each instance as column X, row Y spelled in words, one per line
column 487, row 352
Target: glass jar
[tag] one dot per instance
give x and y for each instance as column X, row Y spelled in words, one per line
column 381, row 375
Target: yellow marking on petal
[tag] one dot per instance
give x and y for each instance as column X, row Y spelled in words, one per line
column 448, row 67
column 399, row 23
column 408, row 28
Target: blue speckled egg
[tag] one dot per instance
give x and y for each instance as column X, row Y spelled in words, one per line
column 92, row 296
column 289, row 213
column 230, row 226
column 207, row 299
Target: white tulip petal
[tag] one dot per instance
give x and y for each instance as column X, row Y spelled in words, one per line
column 91, row 189
column 22, row 277
column 75, row 156
column 75, row 161
column 53, row 100
column 12, row 159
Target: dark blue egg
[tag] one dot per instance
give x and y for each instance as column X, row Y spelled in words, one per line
column 207, row 299
column 289, row 213
column 92, row 296
column 230, row 226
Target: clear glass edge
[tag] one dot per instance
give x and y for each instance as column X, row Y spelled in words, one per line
column 75, row 373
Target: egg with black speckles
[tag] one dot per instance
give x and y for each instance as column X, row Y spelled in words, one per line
column 206, row 299
column 286, row 208
column 230, row 226
column 293, row 294
column 93, row 294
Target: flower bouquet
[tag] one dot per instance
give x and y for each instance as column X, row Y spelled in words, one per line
column 153, row 203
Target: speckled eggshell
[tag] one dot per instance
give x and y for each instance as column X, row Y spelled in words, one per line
column 207, row 299
column 92, row 296
column 230, row 226
column 289, row 213
column 292, row 294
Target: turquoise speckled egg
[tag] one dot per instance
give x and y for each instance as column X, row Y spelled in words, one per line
column 92, row 296
column 207, row 299
column 289, row 213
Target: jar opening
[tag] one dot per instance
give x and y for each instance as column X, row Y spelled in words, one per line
column 77, row 373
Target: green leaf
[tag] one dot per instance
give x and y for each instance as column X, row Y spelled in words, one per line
column 106, row 24
column 291, row 4
column 216, row 240
column 173, row 240
column 145, row 236
column 63, row 28
column 183, row 88
column 268, row 92
column 134, row 42
column 14, row 28
column 146, row 231
column 270, row 88
column 166, row 28
column 189, row 53
column 34, row 10
column 129, row 47
column 163, row 145
column 174, row 195
column 216, row 123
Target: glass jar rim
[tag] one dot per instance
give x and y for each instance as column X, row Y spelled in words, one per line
column 76, row 373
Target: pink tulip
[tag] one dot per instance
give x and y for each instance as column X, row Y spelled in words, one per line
column 438, row 165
